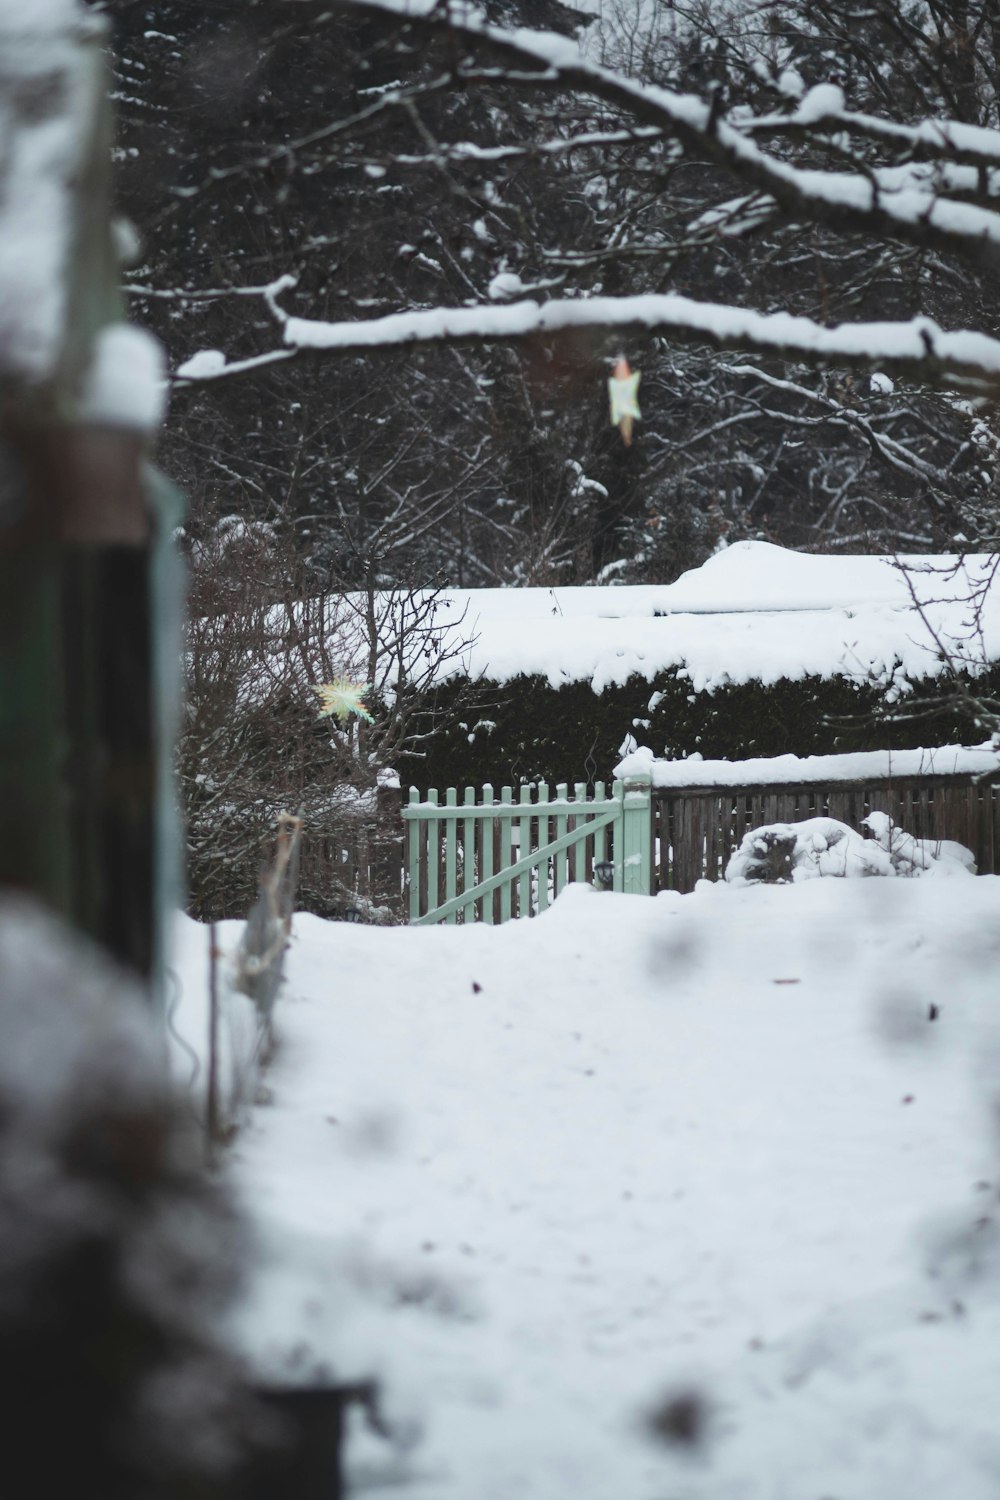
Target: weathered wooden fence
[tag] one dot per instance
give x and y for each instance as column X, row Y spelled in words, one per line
column 491, row 860
column 356, row 869
column 696, row 829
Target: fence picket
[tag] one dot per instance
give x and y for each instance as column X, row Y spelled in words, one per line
column 678, row 873
column 469, row 855
column 972, row 800
column 716, row 826
column 486, row 855
column 414, row 833
column 524, row 847
column 504, row 830
column 542, row 896
column 560, row 862
column 636, row 836
column 580, row 848
column 433, row 852
column 600, row 853
column 450, row 851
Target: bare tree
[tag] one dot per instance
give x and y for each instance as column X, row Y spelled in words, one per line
column 260, row 643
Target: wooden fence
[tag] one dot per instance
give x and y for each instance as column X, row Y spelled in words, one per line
column 490, row 859
column 696, row 829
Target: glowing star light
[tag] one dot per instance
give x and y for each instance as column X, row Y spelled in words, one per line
column 342, row 698
column 623, row 389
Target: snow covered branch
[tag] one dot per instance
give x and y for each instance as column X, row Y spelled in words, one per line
column 917, row 347
column 912, row 207
column 924, row 198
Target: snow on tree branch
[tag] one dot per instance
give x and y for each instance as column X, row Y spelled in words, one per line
column 912, row 208
column 917, row 346
column 924, row 198
column 950, row 140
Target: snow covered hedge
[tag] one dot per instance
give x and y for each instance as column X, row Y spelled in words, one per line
column 759, row 652
column 525, row 729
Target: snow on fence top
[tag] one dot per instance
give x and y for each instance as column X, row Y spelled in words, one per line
column 801, row 770
column 752, row 612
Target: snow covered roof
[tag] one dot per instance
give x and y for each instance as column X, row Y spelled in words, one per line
column 729, row 622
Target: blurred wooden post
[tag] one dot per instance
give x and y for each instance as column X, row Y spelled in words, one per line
column 83, row 744
column 260, row 961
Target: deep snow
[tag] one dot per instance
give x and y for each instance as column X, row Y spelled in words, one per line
column 543, row 1176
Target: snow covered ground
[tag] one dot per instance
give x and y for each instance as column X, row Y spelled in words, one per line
column 706, row 1156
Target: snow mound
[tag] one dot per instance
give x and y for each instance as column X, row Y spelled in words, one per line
column 802, row 851
column 913, row 856
column 781, row 852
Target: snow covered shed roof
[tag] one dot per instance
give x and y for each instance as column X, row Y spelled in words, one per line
column 753, row 612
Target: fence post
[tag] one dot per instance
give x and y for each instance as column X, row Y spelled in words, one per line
column 412, row 845
column 636, row 845
column 261, row 955
column 85, row 660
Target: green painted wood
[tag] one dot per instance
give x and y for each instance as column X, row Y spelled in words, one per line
column 571, row 834
column 542, row 871
column 433, row 856
column 618, row 836
column 581, row 848
column 413, row 832
column 560, row 861
column 498, row 811
column 637, row 836
column 504, row 830
column 538, row 858
column 524, row 907
column 450, row 852
column 486, row 862
column 469, row 854
column 601, row 834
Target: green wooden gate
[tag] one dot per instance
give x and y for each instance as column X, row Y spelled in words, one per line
column 490, row 859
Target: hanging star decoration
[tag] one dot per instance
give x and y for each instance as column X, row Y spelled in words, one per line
column 341, row 698
column 623, row 389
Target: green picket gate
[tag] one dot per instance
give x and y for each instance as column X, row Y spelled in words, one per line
column 490, row 859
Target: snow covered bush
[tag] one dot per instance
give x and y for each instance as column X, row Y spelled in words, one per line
column 118, row 1258
column 800, row 851
column 824, row 846
column 913, row 856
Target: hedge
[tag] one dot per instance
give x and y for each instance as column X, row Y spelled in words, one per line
column 526, row 730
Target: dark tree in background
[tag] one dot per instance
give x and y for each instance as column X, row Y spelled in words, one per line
column 239, row 162
column 260, row 140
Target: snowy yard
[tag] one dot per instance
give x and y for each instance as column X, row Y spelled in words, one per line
column 706, row 1155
